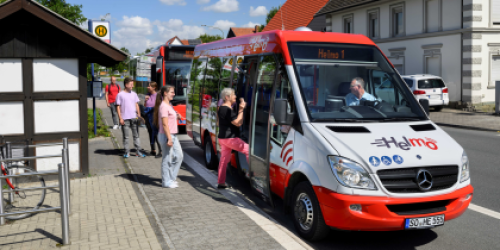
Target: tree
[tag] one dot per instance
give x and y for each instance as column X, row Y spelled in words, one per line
column 72, row 12
column 121, row 66
column 206, row 38
column 270, row 16
column 148, row 50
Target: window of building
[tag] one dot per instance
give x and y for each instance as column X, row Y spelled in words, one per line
column 348, row 24
column 373, row 24
column 495, row 12
column 494, row 71
column 398, row 20
column 432, row 15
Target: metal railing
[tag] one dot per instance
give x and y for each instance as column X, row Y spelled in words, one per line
column 64, row 187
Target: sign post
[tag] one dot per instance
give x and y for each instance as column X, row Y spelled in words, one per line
column 101, row 30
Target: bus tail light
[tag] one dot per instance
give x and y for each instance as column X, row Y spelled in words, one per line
column 419, row 92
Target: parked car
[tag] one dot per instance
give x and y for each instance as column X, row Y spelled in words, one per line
column 429, row 87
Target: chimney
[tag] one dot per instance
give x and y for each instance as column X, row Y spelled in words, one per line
column 256, row 29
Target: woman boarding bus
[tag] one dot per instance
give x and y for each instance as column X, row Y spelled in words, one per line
column 322, row 137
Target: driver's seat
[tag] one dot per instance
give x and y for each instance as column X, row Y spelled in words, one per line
column 344, row 88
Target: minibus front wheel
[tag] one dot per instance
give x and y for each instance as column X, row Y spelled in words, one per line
column 306, row 213
column 211, row 160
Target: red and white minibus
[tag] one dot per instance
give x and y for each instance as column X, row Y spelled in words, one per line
column 339, row 153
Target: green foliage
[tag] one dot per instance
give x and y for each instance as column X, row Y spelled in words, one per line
column 148, row 50
column 102, row 129
column 206, row 38
column 72, row 12
column 270, row 16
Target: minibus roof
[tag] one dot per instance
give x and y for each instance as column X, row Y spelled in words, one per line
column 275, row 41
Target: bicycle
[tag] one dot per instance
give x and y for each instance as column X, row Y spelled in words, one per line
column 20, row 200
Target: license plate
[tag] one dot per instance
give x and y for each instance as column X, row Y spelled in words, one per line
column 424, row 222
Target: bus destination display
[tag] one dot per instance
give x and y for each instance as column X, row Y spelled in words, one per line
column 332, row 52
column 180, row 55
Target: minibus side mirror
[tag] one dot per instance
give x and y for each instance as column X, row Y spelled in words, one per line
column 281, row 115
column 425, row 105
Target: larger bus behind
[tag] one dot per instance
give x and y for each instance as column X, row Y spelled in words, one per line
column 171, row 67
column 323, row 138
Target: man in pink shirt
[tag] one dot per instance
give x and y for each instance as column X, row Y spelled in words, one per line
column 127, row 103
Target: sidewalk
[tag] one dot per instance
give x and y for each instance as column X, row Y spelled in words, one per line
column 196, row 215
column 468, row 120
column 106, row 211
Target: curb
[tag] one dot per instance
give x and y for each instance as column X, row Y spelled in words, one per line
column 467, row 127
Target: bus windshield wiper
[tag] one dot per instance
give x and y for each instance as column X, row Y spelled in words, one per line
column 400, row 119
column 344, row 120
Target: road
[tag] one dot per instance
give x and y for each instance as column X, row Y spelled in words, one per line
column 473, row 230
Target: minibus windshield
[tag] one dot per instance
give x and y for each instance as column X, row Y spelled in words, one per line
column 177, row 75
column 351, row 83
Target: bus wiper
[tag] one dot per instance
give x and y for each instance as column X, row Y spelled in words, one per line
column 400, row 119
column 345, row 120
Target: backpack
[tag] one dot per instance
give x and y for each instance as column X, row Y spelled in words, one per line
column 116, row 85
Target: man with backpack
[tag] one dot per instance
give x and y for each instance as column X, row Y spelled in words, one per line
column 112, row 91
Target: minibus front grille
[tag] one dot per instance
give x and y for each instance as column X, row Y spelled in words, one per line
column 423, row 127
column 403, row 180
column 419, row 208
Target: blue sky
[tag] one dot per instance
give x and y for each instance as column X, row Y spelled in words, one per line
column 146, row 23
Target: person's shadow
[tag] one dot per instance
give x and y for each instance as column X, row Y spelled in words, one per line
column 143, row 179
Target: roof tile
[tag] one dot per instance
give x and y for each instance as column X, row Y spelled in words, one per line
column 295, row 13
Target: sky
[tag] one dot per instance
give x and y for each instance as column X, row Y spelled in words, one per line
column 140, row 24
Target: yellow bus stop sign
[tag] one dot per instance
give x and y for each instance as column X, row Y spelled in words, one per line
column 101, row 31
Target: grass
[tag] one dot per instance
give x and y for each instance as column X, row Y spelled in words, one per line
column 102, row 129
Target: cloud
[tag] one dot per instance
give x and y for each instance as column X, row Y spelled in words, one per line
column 202, row 1
column 251, row 24
column 224, row 25
column 259, row 11
column 174, row 2
column 132, row 32
column 223, row 6
column 175, row 27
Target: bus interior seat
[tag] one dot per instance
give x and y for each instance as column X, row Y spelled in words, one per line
column 344, row 88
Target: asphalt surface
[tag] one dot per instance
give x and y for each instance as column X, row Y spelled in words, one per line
column 472, row 230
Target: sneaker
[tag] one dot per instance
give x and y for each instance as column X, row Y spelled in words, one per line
column 173, row 185
column 158, row 155
column 115, row 127
column 222, row 186
column 126, row 155
column 139, row 154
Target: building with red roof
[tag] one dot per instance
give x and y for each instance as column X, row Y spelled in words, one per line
column 298, row 13
column 236, row 31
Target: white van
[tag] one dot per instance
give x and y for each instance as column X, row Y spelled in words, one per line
column 429, row 87
column 374, row 164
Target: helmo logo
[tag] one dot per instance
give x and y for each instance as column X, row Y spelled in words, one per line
column 406, row 144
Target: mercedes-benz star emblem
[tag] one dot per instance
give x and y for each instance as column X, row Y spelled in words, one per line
column 424, row 180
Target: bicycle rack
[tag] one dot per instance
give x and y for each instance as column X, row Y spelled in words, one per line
column 63, row 172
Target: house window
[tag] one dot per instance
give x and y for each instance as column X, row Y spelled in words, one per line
column 495, row 12
column 494, row 71
column 398, row 20
column 348, row 24
column 373, row 24
column 432, row 15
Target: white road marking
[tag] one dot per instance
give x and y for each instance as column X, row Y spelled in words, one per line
column 282, row 235
column 485, row 211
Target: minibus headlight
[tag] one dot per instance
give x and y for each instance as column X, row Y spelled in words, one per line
column 464, row 172
column 350, row 173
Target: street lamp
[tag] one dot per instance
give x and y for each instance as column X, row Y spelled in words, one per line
column 215, row 28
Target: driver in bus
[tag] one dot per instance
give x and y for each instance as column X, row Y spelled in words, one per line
column 358, row 92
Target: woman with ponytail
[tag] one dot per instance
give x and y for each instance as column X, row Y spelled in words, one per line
column 165, row 118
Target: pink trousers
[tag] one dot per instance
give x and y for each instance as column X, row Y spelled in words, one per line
column 226, row 146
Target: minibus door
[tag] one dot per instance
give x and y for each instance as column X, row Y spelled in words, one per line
column 259, row 133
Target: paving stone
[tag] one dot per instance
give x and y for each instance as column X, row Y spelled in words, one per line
column 195, row 214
